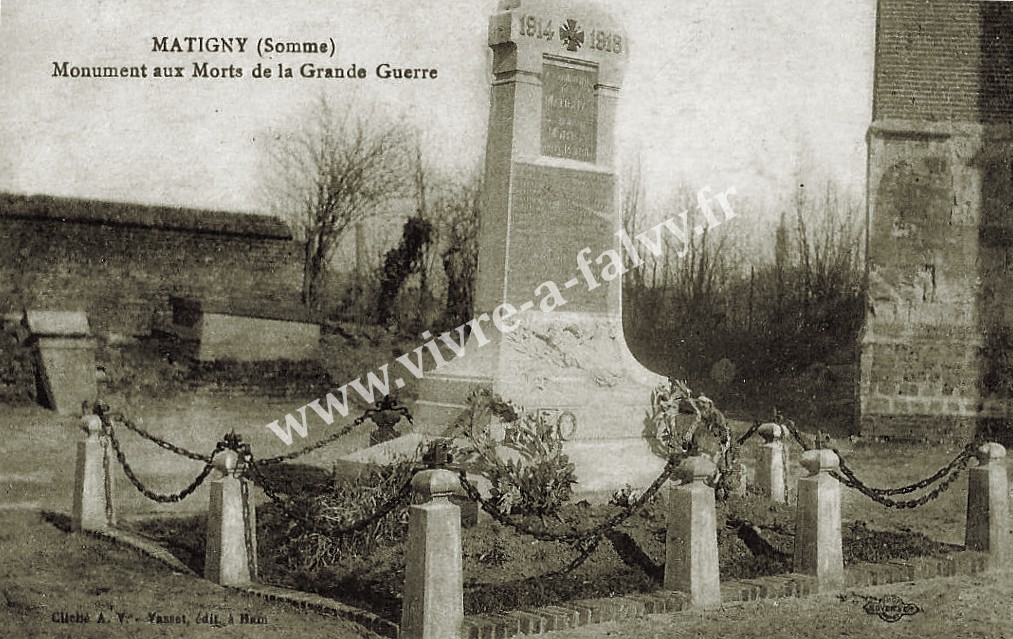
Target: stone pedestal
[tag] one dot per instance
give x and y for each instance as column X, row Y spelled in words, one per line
column 771, row 471
column 988, row 505
column 818, row 548
column 691, row 555
column 549, row 204
column 433, row 603
column 230, row 556
column 93, row 506
column 66, row 358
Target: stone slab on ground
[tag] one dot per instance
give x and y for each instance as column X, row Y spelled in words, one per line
column 57, row 323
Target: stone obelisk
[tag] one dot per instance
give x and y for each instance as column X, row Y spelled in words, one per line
column 550, row 191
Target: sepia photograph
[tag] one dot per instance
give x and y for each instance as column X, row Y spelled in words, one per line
column 494, row 318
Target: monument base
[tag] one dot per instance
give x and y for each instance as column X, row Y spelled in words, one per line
column 575, row 371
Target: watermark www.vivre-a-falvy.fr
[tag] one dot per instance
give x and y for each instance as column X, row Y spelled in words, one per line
column 549, row 298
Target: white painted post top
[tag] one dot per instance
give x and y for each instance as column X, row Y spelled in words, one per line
column 696, row 469
column 770, row 432
column 820, row 461
column 990, row 452
column 434, row 483
column 226, row 462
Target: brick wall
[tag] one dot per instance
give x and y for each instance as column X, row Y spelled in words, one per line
column 937, row 342
column 121, row 262
column 944, row 60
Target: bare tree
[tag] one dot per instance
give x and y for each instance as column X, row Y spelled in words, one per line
column 339, row 168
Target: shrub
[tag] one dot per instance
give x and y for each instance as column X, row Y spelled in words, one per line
column 315, row 539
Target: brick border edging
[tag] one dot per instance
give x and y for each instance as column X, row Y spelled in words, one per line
column 532, row 621
column 322, row 605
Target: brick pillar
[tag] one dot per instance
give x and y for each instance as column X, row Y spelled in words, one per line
column 691, row 554
column 818, row 521
column 988, row 504
column 93, row 505
column 230, row 555
column 770, row 473
column 433, row 604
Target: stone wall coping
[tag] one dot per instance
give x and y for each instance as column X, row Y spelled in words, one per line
column 256, row 309
column 56, row 323
column 85, row 211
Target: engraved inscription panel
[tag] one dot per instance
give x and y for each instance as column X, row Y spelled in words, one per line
column 556, row 212
column 569, row 112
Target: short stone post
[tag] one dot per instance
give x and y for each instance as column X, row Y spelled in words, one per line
column 230, row 554
column 770, row 473
column 93, row 503
column 988, row 504
column 691, row 554
column 433, row 603
column 818, row 548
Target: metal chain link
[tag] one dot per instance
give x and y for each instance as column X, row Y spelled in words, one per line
column 248, row 529
column 585, row 553
column 963, row 456
column 401, row 496
column 150, row 494
column 749, row 433
column 309, row 449
column 107, row 479
column 911, row 503
column 948, row 474
column 102, row 410
column 543, row 534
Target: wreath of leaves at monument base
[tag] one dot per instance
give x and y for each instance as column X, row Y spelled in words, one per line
column 680, row 425
column 539, row 480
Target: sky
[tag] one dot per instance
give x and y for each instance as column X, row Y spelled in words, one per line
column 720, row 93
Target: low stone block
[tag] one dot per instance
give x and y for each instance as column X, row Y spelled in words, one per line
column 779, row 586
column 527, row 623
column 857, row 575
column 806, row 585
column 504, row 626
column 905, row 571
column 470, row 628
column 552, row 620
column 925, row 567
column 653, row 603
column 601, row 610
column 675, row 601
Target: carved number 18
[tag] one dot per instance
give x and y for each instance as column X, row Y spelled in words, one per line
column 606, row 41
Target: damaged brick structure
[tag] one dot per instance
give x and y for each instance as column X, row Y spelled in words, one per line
column 937, row 347
column 120, row 262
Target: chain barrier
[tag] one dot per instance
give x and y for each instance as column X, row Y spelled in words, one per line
column 749, row 433
column 107, row 480
column 312, row 447
column 107, row 427
column 847, row 476
column 951, row 472
column 384, row 405
column 585, row 542
column 256, row 475
column 102, row 410
column 543, row 534
column 248, row 529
